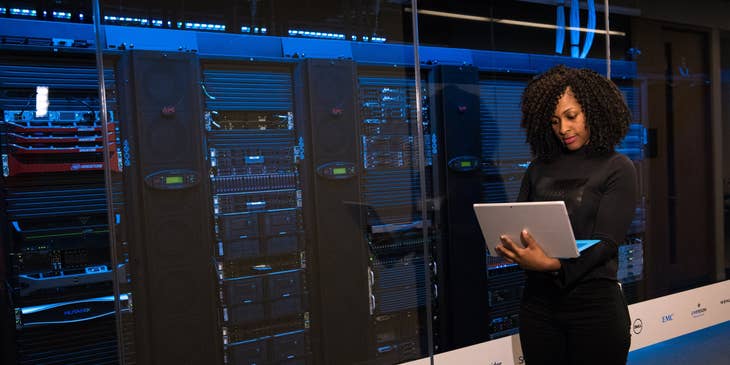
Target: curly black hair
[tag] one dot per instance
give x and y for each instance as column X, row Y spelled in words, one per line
column 607, row 115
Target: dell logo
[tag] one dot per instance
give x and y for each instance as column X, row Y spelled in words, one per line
column 667, row 318
column 638, row 326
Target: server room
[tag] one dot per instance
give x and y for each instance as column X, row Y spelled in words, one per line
column 292, row 182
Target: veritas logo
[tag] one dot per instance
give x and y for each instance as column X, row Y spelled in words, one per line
column 638, row 326
column 667, row 318
column 699, row 312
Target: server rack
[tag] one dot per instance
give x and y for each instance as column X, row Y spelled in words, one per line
column 399, row 266
column 261, row 252
column 54, row 228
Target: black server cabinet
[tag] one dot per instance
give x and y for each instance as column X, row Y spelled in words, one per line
column 456, row 108
column 255, row 157
column 325, row 91
column 56, row 267
column 170, row 234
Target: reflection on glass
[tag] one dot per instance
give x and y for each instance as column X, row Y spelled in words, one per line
column 58, row 285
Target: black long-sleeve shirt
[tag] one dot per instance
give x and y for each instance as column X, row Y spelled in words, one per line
column 600, row 196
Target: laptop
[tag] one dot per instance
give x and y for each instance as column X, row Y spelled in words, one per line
column 547, row 222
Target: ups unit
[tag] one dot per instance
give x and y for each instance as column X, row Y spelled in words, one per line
column 54, row 224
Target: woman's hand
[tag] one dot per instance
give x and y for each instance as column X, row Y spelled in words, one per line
column 532, row 257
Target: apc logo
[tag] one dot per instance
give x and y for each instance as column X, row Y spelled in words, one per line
column 667, row 318
column 699, row 312
column 575, row 50
column 638, row 326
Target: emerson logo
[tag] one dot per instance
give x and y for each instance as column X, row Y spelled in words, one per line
column 637, row 326
column 699, row 312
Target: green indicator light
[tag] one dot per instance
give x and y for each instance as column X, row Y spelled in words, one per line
column 339, row 171
column 465, row 163
column 173, row 179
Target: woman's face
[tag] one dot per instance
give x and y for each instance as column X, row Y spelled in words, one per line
column 569, row 122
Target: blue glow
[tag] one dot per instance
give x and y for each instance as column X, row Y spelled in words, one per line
column 203, row 26
column 39, row 308
column 68, row 321
column 310, row 34
column 126, row 20
column 95, row 270
column 574, row 33
column 592, row 26
column 62, row 15
column 560, row 32
column 288, row 333
column 23, row 12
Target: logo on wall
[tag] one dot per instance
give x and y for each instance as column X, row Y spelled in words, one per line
column 638, row 326
column 575, row 49
column 667, row 318
column 699, row 312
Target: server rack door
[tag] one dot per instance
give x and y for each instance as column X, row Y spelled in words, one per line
column 170, row 235
column 325, row 95
column 456, row 108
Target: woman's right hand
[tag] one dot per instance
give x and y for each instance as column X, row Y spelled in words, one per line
column 531, row 257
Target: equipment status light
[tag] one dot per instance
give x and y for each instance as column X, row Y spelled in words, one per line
column 173, row 179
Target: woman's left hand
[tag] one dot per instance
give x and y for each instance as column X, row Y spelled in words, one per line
column 532, row 257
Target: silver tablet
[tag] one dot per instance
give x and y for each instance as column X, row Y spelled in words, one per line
column 548, row 223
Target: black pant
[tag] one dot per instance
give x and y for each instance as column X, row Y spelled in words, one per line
column 588, row 324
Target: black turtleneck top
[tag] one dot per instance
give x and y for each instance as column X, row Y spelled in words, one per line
column 600, row 196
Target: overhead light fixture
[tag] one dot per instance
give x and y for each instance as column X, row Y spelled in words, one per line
column 518, row 23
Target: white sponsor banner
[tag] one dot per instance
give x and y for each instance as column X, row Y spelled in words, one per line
column 671, row 316
column 653, row 321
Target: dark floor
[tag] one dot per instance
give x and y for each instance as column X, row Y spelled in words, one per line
column 710, row 346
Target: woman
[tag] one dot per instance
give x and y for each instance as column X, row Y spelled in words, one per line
column 573, row 310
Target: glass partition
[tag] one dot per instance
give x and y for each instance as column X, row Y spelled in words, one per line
column 277, row 163
column 56, row 269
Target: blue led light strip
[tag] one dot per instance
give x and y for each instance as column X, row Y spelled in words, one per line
column 23, row 12
column 311, row 34
column 39, row 308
